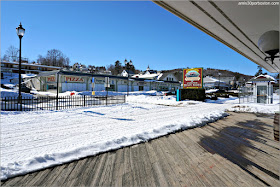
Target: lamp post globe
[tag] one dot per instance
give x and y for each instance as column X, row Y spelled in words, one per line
column 20, row 32
column 269, row 44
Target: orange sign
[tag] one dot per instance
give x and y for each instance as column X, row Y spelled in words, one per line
column 192, row 78
column 74, row 79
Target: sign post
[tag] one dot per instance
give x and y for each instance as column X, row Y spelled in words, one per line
column 107, row 84
column 92, row 86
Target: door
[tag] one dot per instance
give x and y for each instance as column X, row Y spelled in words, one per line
column 261, row 94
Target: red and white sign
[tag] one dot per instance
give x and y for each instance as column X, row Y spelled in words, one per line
column 192, row 78
column 51, row 79
column 73, row 79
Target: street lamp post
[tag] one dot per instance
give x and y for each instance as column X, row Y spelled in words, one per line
column 128, row 64
column 20, row 33
column 219, row 80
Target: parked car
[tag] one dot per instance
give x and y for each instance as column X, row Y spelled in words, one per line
column 170, row 93
column 24, row 88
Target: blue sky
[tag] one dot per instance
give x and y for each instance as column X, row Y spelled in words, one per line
column 99, row 33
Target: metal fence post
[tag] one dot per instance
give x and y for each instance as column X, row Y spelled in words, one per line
column 57, row 89
column 84, row 100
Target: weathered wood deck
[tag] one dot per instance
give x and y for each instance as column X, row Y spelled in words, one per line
column 238, row 150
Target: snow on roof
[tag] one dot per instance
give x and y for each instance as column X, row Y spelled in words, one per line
column 27, row 75
column 263, row 78
column 26, row 64
column 147, row 76
column 266, row 76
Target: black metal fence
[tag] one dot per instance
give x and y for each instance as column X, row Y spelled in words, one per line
column 58, row 103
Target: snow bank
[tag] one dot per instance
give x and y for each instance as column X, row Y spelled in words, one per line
column 103, row 93
column 14, row 93
column 254, row 108
column 160, row 100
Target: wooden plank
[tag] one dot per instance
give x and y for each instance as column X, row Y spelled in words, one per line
column 64, row 174
column 230, row 166
column 147, row 166
column 14, row 181
column 118, row 168
column 205, row 170
column 166, row 166
column 96, row 170
column 106, row 175
column 54, row 174
column 160, row 179
column 38, row 178
column 133, row 165
column 191, row 160
column 224, row 150
column 184, row 170
column 264, row 160
column 265, row 142
column 137, row 165
column 76, row 173
column 127, row 177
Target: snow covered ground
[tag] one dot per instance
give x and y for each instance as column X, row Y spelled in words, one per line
column 39, row 139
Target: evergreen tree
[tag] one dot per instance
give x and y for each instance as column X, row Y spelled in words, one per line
column 118, row 68
column 260, row 72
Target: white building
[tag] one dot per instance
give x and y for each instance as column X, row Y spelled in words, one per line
column 76, row 81
column 155, row 75
column 263, row 88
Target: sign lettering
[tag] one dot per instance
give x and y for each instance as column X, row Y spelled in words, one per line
column 74, row 79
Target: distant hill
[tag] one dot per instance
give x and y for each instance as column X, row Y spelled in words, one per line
column 213, row 73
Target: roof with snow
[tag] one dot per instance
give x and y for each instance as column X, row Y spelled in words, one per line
column 210, row 79
column 262, row 78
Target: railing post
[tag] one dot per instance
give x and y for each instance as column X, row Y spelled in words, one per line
column 106, row 99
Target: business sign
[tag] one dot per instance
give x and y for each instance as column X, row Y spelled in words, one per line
column 192, row 78
column 107, row 82
column 51, row 79
column 73, row 79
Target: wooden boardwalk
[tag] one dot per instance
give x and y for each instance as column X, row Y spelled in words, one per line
column 238, row 150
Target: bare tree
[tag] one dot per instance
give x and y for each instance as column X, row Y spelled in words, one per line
column 11, row 54
column 54, row 58
column 5, row 58
column 111, row 68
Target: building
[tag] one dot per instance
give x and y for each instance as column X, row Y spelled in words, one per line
column 26, row 68
column 229, row 80
column 126, row 72
column 77, row 81
column 213, row 83
column 263, row 88
column 155, row 75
